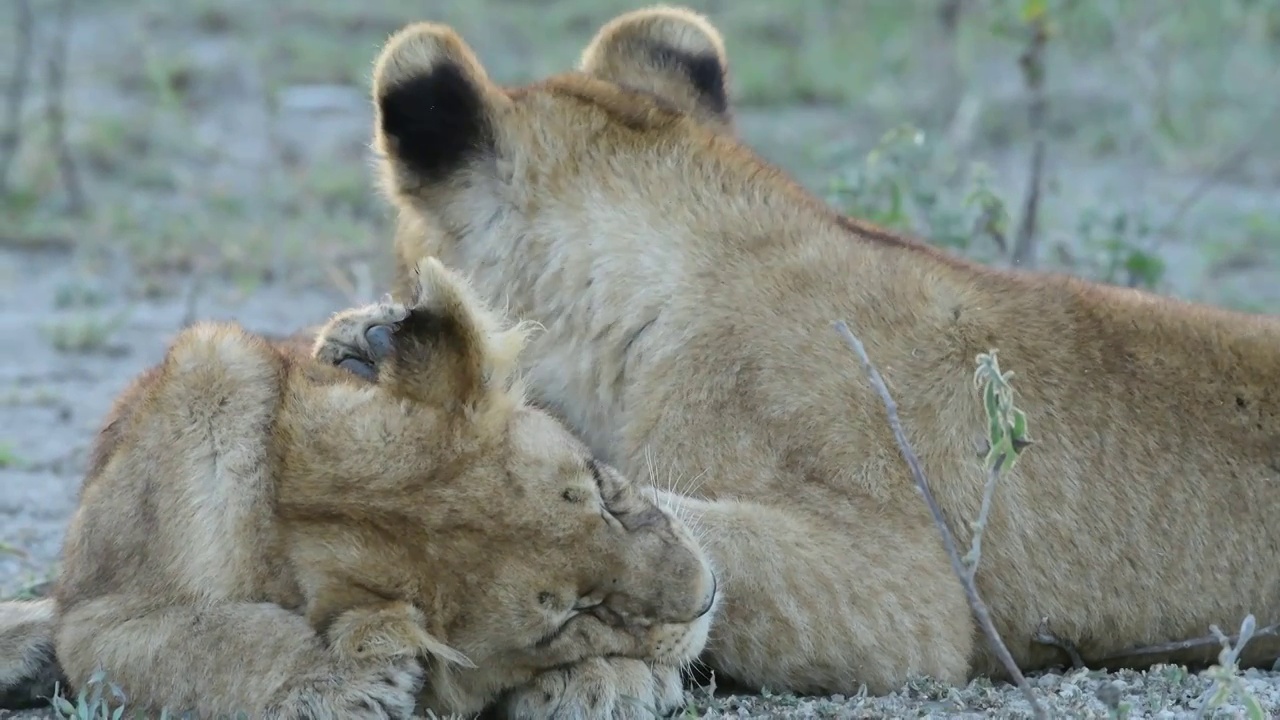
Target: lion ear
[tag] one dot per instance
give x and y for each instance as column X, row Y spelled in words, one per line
column 434, row 105
column 451, row 350
column 672, row 52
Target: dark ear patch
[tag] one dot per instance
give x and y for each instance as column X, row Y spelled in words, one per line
column 433, row 102
column 434, row 122
column 704, row 71
column 673, row 53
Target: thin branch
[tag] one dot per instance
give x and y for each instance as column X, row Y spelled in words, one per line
column 16, row 93
column 1033, row 72
column 1045, row 636
column 948, row 540
column 191, row 304
column 1203, row 641
column 55, row 110
column 953, row 89
column 979, row 527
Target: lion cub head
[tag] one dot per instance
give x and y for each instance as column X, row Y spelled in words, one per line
column 523, row 551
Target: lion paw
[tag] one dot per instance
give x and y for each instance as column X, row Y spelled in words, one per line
column 382, row 691
column 612, row 688
column 358, row 339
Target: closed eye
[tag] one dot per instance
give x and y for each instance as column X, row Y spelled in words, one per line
column 550, row 636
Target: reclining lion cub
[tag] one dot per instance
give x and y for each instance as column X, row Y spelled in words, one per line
column 689, row 291
column 311, row 538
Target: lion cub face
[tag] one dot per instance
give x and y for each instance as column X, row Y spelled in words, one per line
column 523, row 551
column 580, row 561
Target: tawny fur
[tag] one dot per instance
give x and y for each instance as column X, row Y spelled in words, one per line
column 28, row 673
column 688, row 291
column 261, row 531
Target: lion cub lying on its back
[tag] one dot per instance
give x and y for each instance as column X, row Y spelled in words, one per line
column 263, row 532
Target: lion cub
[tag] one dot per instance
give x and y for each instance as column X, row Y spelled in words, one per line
column 383, row 527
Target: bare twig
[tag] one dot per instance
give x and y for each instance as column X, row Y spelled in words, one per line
column 55, row 109
column 988, row 492
column 1203, row 641
column 948, row 540
column 949, row 16
column 953, row 88
column 1045, row 636
column 1033, row 71
column 191, row 311
column 16, row 93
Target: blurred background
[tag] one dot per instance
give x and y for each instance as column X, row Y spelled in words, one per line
column 164, row 160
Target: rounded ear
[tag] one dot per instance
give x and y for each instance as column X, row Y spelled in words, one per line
column 434, row 105
column 451, row 350
column 671, row 52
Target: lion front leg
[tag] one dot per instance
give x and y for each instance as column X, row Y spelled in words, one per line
column 259, row 659
column 812, row 605
column 606, row 688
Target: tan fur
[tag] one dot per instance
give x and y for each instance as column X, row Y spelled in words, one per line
column 688, row 291
column 261, row 531
column 28, row 672
column 622, row 53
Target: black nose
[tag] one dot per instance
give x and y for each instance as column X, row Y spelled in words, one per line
column 711, row 597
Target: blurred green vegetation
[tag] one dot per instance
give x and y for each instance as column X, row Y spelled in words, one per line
column 229, row 135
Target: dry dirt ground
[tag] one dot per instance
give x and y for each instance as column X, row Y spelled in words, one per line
column 221, row 148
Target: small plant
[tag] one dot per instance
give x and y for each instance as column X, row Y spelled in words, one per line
column 1226, row 681
column 905, row 183
column 1117, row 248
column 1006, row 439
column 13, row 550
column 9, row 456
column 74, row 295
column 103, row 700
column 90, row 703
column 1117, row 708
column 85, row 333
